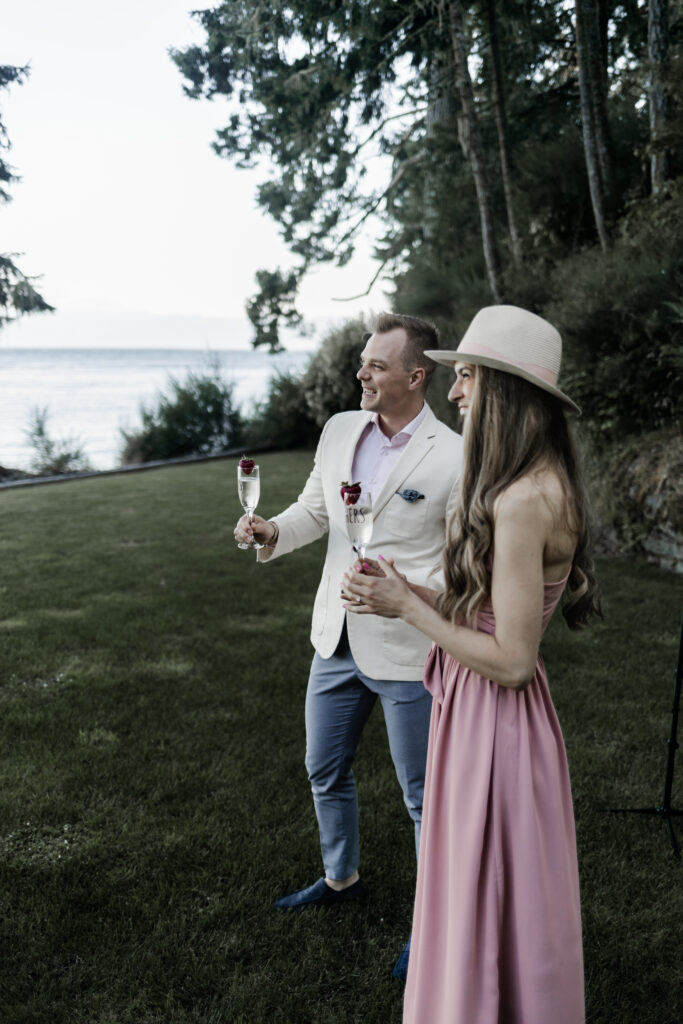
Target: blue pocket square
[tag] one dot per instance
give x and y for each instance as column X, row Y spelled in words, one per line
column 410, row 496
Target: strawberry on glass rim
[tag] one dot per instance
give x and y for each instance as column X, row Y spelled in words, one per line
column 350, row 493
column 247, row 465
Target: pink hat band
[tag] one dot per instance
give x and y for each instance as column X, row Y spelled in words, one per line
column 549, row 376
column 515, row 341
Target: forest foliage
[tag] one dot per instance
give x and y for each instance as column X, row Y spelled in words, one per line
column 526, row 152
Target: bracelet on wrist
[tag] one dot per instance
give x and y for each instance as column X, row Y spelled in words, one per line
column 273, row 540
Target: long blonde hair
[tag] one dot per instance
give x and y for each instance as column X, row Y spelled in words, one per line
column 513, row 428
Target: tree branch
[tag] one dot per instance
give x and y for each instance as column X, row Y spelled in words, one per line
column 409, row 162
column 384, row 122
column 367, row 291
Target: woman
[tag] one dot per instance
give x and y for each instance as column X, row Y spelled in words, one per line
column 497, row 926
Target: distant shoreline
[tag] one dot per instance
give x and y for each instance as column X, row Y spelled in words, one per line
column 194, row 350
column 142, row 331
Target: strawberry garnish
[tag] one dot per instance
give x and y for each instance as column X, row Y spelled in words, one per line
column 350, row 493
column 247, row 465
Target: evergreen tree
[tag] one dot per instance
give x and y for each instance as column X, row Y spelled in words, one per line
column 516, row 142
column 658, row 48
column 592, row 87
column 17, row 292
column 325, row 91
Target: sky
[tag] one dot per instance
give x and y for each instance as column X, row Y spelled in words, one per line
column 123, row 207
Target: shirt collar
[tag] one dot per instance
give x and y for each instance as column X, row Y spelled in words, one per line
column 409, row 428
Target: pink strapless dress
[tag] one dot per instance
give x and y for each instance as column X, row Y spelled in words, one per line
column 497, row 921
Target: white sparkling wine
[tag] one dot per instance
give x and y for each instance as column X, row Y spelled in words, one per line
column 359, row 525
column 249, row 490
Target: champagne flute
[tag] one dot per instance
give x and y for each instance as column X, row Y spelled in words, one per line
column 249, row 491
column 358, row 515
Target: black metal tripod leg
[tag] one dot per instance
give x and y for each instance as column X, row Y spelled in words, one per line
column 672, row 836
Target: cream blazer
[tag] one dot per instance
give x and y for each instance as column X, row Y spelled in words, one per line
column 412, row 533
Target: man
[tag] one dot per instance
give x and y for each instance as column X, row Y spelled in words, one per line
column 410, row 462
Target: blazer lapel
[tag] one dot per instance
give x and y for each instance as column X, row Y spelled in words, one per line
column 420, row 443
column 350, row 442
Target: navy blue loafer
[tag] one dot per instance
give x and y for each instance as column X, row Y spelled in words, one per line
column 320, row 894
column 400, row 970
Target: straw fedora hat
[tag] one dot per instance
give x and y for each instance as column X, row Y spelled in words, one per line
column 511, row 339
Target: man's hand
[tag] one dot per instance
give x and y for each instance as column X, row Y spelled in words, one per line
column 258, row 529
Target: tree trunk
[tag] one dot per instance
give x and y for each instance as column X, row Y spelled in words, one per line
column 596, row 20
column 605, row 8
column 658, row 45
column 470, row 140
column 594, row 141
column 441, row 107
column 501, row 129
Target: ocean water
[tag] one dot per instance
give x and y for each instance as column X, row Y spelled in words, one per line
column 91, row 394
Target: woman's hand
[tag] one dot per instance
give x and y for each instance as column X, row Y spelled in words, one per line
column 369, row 567
column 381, row 590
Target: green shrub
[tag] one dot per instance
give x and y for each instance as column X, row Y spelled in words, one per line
column 53, row 457
column 621, row 317
column 437, row 395
column 329, row 383
column 197, row 417
column 283, row 419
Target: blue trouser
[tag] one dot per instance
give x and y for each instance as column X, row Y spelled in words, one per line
column 338, row 703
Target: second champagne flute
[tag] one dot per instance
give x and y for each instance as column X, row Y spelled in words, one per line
column 358, row 516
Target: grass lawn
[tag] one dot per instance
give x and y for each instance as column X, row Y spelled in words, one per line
column 153, row 799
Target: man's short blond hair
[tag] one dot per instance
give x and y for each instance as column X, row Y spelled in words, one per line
column 420, row 335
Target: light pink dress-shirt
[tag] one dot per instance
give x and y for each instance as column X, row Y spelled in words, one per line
column 376, row 453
